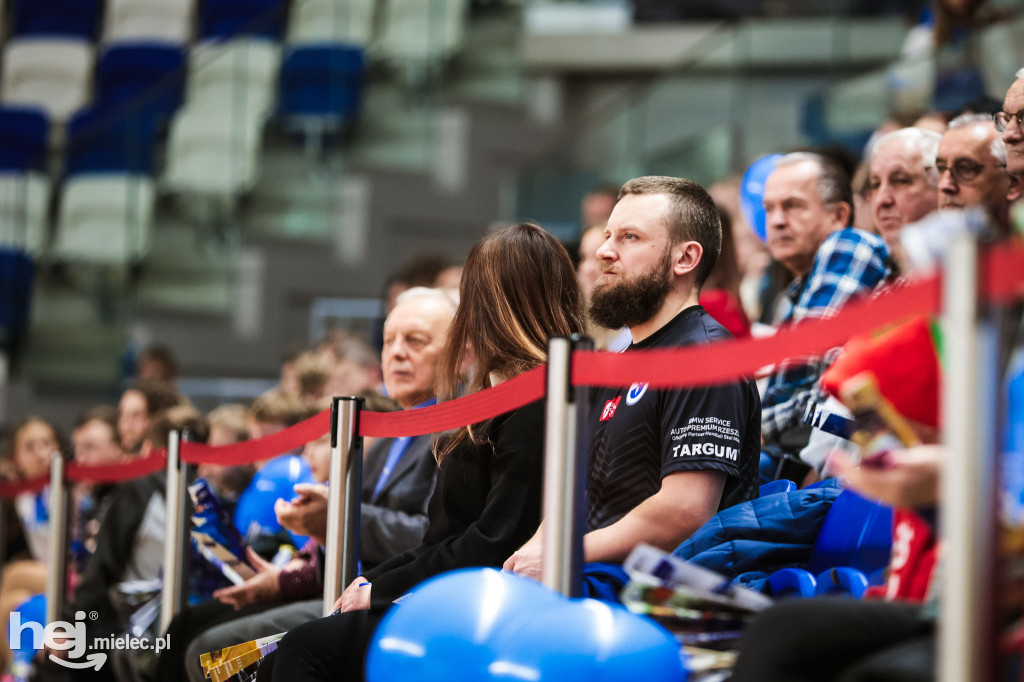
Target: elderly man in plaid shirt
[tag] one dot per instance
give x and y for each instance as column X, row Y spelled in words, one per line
column 807, row 201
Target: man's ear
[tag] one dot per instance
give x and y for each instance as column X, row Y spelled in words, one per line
column 687, row 257
column 841, row 213
column 1016, row 190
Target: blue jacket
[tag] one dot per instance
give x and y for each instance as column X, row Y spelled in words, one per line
column 745, row 543
column 750, row 541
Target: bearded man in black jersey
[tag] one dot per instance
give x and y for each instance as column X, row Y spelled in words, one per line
column 662, row 461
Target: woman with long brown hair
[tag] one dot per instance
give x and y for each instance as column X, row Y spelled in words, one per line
column 518, row 290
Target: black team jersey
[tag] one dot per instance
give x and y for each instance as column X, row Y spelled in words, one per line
column 640, row 436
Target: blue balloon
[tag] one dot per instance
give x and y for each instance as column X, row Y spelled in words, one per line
column 586, row 639
column 442, row 631
column 32, row 610
column 254, row 514
column 752, row 192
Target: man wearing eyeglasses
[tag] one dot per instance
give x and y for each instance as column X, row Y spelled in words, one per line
column 971, row 165
column 1009, row 123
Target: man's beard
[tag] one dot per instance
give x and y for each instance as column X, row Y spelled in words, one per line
column 632, row 302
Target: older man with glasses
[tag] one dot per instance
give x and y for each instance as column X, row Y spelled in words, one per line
column 1010, row 122
column 971, row 166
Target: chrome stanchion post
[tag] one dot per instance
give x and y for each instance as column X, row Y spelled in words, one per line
column 565, row 457
column 343, row 500
column 56, row 576
column 967, row 509
column 174, row 534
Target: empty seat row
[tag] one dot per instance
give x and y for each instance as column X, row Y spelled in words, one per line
column 410, row 29
column 103, row 218
column 168, row 19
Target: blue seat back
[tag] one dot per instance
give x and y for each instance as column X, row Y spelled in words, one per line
column 322, row 80
column 229, row 18
column 74, row 18
column 856, row 533
column 17, row 272
column 107, row 138
column 24, row 138
column 150, row 76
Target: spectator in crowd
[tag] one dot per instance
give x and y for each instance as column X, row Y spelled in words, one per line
column 156, row 362
column 137, row 406
column 95, row 443
column 1009, row 123
column 487, row 501
column 656, row 474
column 851, row 640
column 596, row 206
column 587, row 272
column 720, row 295
column 971, row 164
column 807, row 202
column 130, row 542
column 33, row 442
column 902, row 181
column 355, row 367
column 288, row 381
column 271, row 413
column 313, row 373
column 398, row 479
column 227, row 426
column 752, row 257
column 448, row 281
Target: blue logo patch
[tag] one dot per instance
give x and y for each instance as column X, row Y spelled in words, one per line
column 636, row 391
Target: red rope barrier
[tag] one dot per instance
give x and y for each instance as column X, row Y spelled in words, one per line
column 250, row 451
column 11, row 489
column 510, row 395
column 1002, row 281
column 115, row 473
column 728, row 361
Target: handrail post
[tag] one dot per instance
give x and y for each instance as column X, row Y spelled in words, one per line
column 56, row 576
column 967, row 510
column 175, row 529
column 566, row 452
column 344, row 500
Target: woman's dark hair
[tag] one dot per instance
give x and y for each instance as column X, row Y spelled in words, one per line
column 518, row 290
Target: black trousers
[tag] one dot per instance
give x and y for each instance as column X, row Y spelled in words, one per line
column 840, row 640
column 191, row 622
column 331, row 648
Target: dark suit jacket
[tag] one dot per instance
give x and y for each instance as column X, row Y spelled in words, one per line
column 397, row 520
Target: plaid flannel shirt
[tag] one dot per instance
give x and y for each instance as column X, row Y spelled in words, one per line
column 850, row 262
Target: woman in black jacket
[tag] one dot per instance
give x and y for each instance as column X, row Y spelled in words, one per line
column 518, row 290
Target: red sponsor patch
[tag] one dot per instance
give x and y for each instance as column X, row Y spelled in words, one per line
column 609, row 409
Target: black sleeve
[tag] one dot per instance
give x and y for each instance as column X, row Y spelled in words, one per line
column 114, row 543
column 703, row 428
column 510, row 516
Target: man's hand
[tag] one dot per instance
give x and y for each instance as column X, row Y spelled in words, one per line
column 356, row 596
column 306, row 514
column 905, row 478
column 527, row 561
column 262, row 587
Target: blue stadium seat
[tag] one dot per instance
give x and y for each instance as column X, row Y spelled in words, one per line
column 230, row 18
column 150, row 75
column 105, row 138
column 79, row 18
column 24, row 138
column 323, row 81
column 17, row 269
